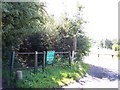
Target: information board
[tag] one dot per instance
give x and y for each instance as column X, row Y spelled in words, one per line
column 50, row 57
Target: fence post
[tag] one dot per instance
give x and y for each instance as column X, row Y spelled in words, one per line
column 12, row 64
column 44, row 53
column 36, row 61
column 19, row 75
column 98, row 55
column 112, row 56
column 69, row 58
column 12, row 60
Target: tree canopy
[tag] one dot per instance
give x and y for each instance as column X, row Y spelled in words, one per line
column 27, row 27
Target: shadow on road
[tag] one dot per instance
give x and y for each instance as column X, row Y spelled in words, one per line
column 101, row 73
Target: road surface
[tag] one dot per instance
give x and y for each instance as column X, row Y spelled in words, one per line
column 103, row 72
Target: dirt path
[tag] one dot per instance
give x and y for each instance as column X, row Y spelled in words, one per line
column 102, row 74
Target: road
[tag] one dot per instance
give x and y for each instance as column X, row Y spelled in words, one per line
column 103, row 72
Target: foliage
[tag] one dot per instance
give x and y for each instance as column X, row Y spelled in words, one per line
column 106, row 44
column 52, row 78
column 115, row 47
column 58, row 37
column 27, row 28
column 18, row 20
column 30, row 29
column 102, row 44
column 115, row 41
column 83, row 46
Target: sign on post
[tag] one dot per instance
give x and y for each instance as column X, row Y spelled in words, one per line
column 50, row 57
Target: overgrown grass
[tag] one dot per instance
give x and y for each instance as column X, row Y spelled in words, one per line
column 54, row 77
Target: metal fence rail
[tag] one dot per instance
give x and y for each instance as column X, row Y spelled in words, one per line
column 112, row 54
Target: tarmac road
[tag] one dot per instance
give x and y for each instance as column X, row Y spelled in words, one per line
column 103, row 73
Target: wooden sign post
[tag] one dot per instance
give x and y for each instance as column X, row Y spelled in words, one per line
column 12, row 59
column 43, row 66
column 69, row 58
column 36, row 61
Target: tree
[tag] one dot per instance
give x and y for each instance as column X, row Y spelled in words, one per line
column 108, row 44
column 27, row 27
column 31, row 29
column 20, row 19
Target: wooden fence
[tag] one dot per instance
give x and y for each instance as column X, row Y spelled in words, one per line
column 36, row 53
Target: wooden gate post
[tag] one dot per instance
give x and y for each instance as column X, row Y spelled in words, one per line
column 112, row 56
column 12, row 61
column 43, row 66
column 12, row 64
column 36, row 62
column 98, row 55
column 75, row 43
column 69, row 58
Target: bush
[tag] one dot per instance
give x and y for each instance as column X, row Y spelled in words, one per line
column 116, row 47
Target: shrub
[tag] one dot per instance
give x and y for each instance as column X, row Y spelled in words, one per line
column 115, row 47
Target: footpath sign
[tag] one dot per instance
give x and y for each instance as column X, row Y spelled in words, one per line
column 50, row 57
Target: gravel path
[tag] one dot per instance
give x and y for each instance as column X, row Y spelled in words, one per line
column 102, row 74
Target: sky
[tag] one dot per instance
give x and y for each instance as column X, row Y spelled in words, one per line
column 101, row 15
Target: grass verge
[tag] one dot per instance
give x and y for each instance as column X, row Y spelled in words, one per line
column 54, row 77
